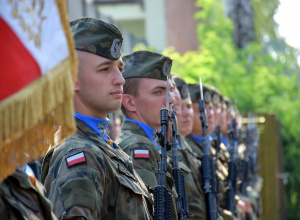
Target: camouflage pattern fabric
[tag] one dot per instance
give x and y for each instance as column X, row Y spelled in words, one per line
column 224, row 155
column 215, row 95
column 194, row 90
column 145, row 64
column 222, row 174
column 252, row 190
column 195, row 146
column 98, row 37
column 105, row 186
column 23, row 198
column 191, row 168
column 255, row 197
column 182, row 87
column 132, row 137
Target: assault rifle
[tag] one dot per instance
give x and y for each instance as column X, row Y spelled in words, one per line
column 181, row 203
column 207, row 166
column 245, row 164
column 253, row 152
column 232, row 172
column 215, row 159
column 162, row 196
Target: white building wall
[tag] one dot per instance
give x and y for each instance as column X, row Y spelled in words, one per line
column 155, row 24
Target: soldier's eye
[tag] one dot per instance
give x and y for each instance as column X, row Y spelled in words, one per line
column 104, row 69
column 157, row 92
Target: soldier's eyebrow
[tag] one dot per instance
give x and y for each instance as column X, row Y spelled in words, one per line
column 172, row 87
column 108, row 62
column 159, row 87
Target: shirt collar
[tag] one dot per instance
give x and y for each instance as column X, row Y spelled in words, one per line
column 210, row 136
column 98, row 125
column 224, row 140
column 151, row 133
column 178, row 144
column 197, row 138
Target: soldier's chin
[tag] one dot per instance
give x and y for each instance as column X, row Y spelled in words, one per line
column 116, row 106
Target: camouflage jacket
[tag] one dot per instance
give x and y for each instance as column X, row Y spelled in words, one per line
column 191, row 168
column 102, row 184
column 132, row 137
column 221, row 172
column 223, row 155
column 23, row 198
column 194, row 145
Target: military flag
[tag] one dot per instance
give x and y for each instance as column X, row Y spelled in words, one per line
column 38, row 66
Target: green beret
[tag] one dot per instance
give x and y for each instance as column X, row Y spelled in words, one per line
column 221, row 99
column 215, row 95
column 181, row 86
column 145, row 64
column 227, row 101
column 195, row 93
column 98, row 37
column 207, row 94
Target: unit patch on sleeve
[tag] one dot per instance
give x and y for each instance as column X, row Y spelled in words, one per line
column 76, row 159
column 141, row 154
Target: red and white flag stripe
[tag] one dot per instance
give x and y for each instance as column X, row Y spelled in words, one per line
column 141, row 153
column 76, row 159
column 32, row 42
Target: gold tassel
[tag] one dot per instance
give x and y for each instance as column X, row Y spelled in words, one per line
column 30, row 117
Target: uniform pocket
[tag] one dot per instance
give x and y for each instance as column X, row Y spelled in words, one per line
column 128, row 180
column 80, row 190
column 130, row 203
column 184, row 167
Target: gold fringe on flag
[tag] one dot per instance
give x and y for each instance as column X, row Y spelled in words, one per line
column 30, row 117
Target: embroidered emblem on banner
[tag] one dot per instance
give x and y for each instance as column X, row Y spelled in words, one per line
column 76, row 159
column 141, row 154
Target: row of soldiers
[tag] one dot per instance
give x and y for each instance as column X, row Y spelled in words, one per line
column 174, row 157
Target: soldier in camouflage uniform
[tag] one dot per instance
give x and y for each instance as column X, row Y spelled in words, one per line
column 226, row 118
column 186, row 118
column 195, row 141
column 188, row 162
column 22, row 196
column 87, row 176
column 243, row 206
column 144, row 96
column 217, row 100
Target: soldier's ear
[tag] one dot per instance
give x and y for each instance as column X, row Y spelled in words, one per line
column 76, row 86
column 128, row 103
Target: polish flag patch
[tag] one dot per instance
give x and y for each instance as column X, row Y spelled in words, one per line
column 76, row 159
column 141, row 153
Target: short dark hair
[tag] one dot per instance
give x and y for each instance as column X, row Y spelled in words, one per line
column 131, row 87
